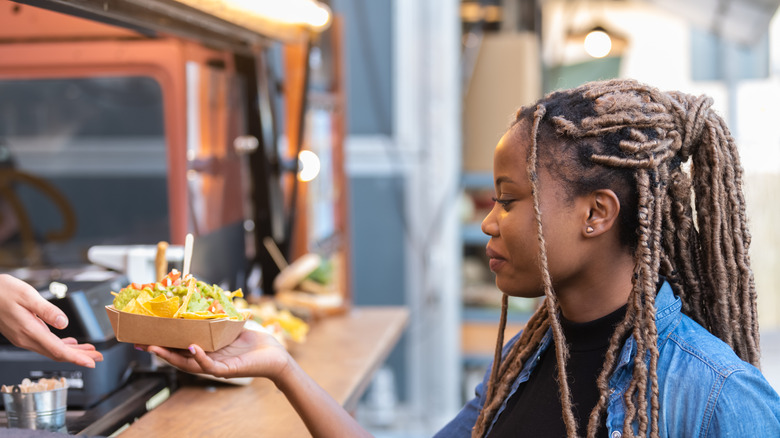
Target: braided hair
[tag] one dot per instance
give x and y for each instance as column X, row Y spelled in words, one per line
column 674, row 167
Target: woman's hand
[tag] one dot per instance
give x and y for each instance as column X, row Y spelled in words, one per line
column 24, row 314
column 256, row 354
column 252, row 354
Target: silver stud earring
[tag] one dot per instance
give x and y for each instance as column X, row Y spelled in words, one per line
column 589, row 229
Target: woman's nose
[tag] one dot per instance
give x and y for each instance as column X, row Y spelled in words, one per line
column 489, row 225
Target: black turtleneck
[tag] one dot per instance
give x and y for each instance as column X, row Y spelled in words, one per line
column 534, row 410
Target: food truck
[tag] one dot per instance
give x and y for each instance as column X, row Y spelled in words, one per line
column 128, row 123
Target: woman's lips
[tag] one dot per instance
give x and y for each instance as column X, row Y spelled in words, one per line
column 496, row 264
column 496, row 259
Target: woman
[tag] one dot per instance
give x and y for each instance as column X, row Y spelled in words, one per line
column 623, row 207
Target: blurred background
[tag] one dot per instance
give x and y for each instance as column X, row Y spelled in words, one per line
column 416, row 93
column 431, row 88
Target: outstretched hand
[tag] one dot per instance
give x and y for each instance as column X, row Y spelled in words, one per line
column 256, row 354
column 24, row 316
column 252, row 354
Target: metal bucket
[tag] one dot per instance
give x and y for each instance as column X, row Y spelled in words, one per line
column 43, row 410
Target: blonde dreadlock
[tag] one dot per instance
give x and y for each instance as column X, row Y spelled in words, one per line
column 687, row 225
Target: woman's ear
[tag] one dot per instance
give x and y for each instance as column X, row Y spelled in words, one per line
column 603, row 210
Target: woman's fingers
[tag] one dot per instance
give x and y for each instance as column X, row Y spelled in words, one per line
column 192, row 360
column 49, row 313
column 176, row 359
column 30, row 299
column 81, row 354
column 204, row 360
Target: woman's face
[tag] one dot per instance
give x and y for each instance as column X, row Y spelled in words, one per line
column 513, row 248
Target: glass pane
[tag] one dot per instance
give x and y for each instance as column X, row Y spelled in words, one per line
column 92, row 146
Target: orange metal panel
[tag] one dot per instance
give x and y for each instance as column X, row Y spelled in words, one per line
column 218, row 174
column 164, row 60
column 161, row 59
column 339, row 159
column 295, row 63
column 334, row 98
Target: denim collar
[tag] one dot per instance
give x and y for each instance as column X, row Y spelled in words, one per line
column 668, row 307
column 667, row 315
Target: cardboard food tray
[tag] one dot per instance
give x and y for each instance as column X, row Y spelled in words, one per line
column 210, row 334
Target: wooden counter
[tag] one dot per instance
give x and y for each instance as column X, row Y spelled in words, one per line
column 341, row 353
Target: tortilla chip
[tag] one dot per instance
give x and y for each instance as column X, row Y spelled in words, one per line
column 186, row 301
column 202, row 315
column 134, row 307
column 143, row 297
column 162, row 306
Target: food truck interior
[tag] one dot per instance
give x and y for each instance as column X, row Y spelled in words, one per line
column 129, row 123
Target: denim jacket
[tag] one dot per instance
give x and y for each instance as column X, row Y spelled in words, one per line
column 704, row 389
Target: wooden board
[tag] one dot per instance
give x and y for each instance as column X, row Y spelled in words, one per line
column 341, row 354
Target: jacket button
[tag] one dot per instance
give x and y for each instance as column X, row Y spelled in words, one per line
column 615, row 434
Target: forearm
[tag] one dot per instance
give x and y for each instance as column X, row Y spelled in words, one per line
column 323, row 416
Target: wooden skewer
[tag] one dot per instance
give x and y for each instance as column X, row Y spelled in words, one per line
column 160, row 261
column 275, row 252
column 187, row 255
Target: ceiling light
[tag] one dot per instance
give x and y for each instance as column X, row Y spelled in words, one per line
column 597, row 43
column 286, row 19
column 309, row 165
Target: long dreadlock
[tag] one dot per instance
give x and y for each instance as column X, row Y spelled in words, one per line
column 675, row 168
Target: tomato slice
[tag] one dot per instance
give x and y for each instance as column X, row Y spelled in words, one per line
column 216, row 307
column 137, row 286
column 172, row 279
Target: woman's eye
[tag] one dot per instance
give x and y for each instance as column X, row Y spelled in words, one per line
column 503, row 202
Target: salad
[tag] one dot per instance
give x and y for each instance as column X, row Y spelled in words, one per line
column 176, row 297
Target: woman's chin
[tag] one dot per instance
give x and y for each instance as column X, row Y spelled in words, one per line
column 513, row 290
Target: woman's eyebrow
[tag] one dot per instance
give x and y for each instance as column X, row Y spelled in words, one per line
column 503, row 179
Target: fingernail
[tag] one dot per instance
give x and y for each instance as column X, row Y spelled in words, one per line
column 139, row 348
column 61, row 322
column 192, row 349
